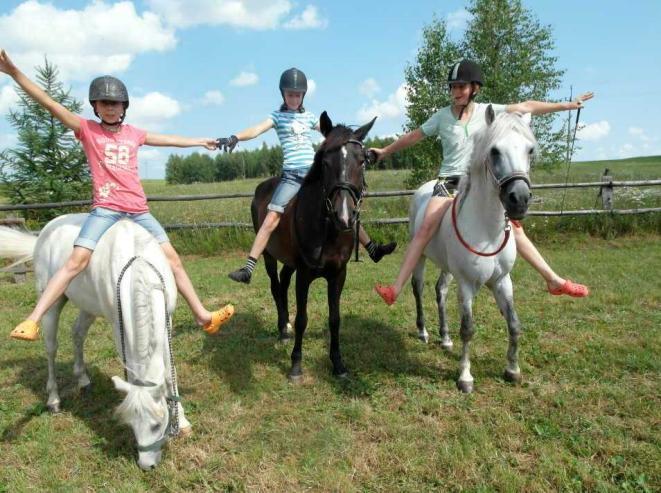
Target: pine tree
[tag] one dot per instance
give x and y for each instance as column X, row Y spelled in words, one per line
column 47, row 165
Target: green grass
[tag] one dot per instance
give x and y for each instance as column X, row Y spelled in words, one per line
column 585, row 419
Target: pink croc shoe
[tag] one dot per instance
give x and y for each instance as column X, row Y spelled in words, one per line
column 572, row 289
column 387, row 293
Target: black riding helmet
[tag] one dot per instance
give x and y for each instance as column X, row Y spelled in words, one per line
column 293, row 80
column 108, row 88
column 465, row 71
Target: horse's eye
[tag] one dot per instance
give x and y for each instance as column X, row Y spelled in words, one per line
column 495, row 152
column 531, row 151
column 155, row 428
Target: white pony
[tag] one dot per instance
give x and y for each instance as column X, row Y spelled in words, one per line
column 128, row 274
column 473, row 242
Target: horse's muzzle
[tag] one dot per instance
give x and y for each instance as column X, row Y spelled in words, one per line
column 515, row 197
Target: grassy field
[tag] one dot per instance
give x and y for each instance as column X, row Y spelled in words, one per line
column 586, row 417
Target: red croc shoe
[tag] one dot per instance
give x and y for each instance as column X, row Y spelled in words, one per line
column 386, row 292
column 571, row 289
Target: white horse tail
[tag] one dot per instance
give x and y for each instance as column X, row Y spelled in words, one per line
column 16, row 244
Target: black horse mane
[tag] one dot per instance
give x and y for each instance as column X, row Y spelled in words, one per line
column 338, row 136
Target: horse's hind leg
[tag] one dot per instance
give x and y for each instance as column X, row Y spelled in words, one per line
column 303, row 280
column 441, row 301
column 79, row 333
column 465, row 295
column 418, row 284
column 271, row 265
column 49, row 323
column 504, row 297
column 285, row 279
column 335, row 286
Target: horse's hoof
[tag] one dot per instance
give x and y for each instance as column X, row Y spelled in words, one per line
column 290, row 329
column 54, row 408
column 446, row 343
column 341, row 375
column 284, row 337
column 296, row 379
column 464, row 386
column 512, row 377
column 424, row 337
column 185, row 432
column 86, row 391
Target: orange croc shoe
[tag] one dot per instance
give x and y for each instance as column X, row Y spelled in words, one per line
column 27, row 330
column 218, row 318
column 386, row 292
column 573, row 289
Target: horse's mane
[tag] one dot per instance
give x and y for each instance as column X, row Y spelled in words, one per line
column 484, row 140
column 338, row 136
column 138, row 403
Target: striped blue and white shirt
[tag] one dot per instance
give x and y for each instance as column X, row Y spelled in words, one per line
column 294, row 131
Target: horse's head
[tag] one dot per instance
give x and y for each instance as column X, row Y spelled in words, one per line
column 146, row 411
column 506, row 147
column 340, row 166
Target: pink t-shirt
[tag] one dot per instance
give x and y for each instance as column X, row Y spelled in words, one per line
column 113, row 161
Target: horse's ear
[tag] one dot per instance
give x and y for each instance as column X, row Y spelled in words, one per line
column 362, row 132
column 527, row 118
column 490, row 115
column 121, row 385
column 325, row 124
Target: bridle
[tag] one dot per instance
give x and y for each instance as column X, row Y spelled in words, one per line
column 173, row 399
column 500, row 183
column 354, row 192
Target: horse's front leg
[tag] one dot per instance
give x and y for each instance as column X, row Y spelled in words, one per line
column 441, row 301
column 78, row 334
column 465, row 294
column 303, row 280
column 503, row 293
column 49, row 323
column 418, row 285
column 285, row 279
column 335, row 286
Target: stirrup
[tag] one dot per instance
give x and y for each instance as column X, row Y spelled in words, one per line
column 218, row 318
column 27, row 330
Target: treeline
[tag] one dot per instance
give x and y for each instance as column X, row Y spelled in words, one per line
column 265, row 161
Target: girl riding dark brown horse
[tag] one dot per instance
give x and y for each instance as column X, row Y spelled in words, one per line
column 316, row 233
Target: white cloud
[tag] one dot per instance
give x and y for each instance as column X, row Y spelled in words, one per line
column 627, row 150
column 152, row 111
column 251, row 14
column 640, row 133
column 393, row 107
column 369, row 87
column 308, row 19
column 213, row 98
column 8, row 98
column 458, row 20
column 100, row 38
column 245, row 79
column 594, row 131
column 312, row 87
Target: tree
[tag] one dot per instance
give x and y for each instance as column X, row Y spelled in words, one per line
column 514, row 51
column 47, row 165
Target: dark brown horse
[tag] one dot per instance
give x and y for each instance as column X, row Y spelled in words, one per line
column 316, row 233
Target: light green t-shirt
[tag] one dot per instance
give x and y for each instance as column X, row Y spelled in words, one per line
column 457, row 138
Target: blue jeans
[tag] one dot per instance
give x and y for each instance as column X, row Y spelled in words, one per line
column 290, row 183
column 101, row 219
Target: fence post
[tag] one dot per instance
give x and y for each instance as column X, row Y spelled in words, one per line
column 606, row 191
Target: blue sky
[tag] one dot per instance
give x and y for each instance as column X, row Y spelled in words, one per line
column 211, row 67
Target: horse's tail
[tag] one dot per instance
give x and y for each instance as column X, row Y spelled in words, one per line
column 16, row 244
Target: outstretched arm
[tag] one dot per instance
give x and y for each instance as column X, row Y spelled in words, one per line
column 406, row 140
column 252, row 132
column 540, row 108
column 178, row 141
column 68, row 119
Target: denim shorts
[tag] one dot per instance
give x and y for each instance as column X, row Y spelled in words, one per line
column 101, row 219
column 290, row 183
